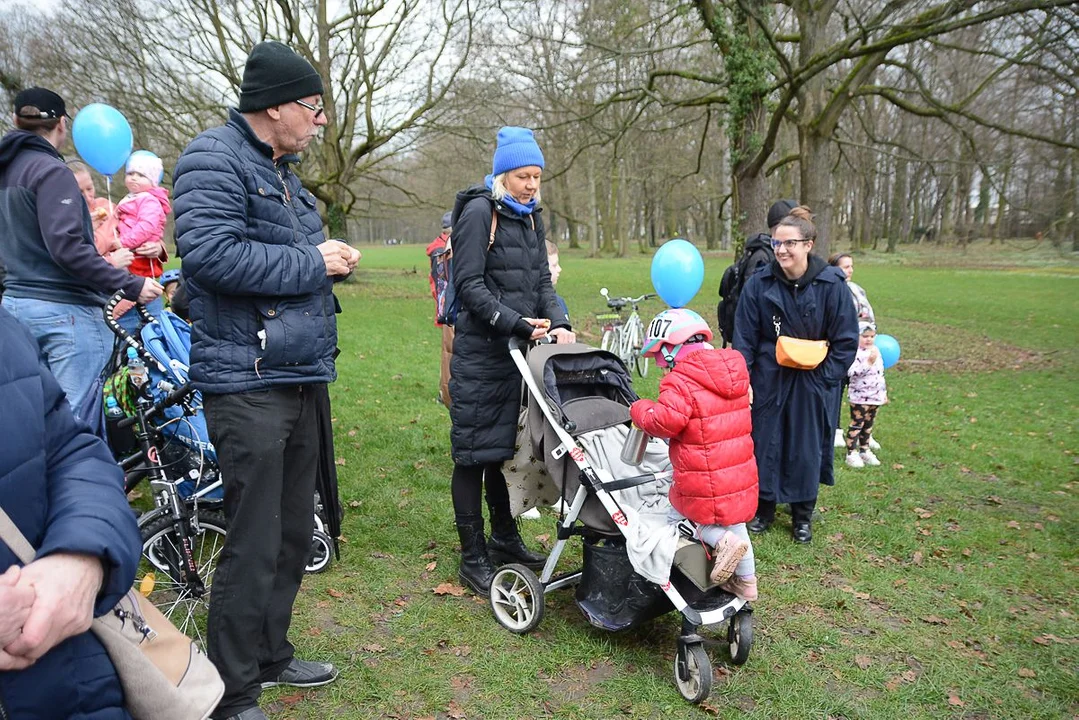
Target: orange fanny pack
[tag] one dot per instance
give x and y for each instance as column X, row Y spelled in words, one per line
column 800, row 354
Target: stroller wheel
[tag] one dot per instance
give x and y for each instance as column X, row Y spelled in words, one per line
column 321, row 553
column 693, row 672
column 517, row 598
column 740, row 637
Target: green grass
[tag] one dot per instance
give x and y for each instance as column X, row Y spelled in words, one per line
column 940, row 585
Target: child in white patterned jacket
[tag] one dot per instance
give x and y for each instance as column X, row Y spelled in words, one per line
column 867, row 393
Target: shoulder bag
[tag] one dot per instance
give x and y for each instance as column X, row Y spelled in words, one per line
column 798, row 353
column 163, row 673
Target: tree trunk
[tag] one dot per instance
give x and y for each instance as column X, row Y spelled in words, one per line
column 816, row 177
column 593, row 210
column 901, row 210
column 336, row 220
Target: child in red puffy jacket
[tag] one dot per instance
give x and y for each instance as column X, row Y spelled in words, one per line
column 703, row 407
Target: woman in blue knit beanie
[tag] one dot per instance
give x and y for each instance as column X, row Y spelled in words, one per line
column 503, row 282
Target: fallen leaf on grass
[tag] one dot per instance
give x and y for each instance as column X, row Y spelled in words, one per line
column 1027, row 673
column 454, row 711
column 430, row 566
column 862, row 661
column 955, row 645
column 909, row 676
column 995, row 499
column 449, row 589
column 934, row 620
column 954, row 700
column 428, row 556
column 917, row 557
column 463, row 651
column 354, row 503
column 290, row 699
column 339, row 461
column 334, row 593
column 967, row 552
column 899, row 583
column 372, row 648
column 1014, row 525
column 898, row 466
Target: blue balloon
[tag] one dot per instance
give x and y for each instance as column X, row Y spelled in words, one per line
column 677, row 272
column 102, row 136
column 889, row 349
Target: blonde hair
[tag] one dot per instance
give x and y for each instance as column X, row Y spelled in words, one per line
column 499, row 191
column 802, row 219
column 78, row 167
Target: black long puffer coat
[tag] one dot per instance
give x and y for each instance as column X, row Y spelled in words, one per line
column 496, row 288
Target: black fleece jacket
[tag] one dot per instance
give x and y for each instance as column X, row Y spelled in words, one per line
column 46, row 235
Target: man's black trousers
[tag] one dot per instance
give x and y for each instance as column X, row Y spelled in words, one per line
column 267, row 447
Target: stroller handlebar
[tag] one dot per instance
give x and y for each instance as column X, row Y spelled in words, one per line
column 519, row 345
column 118, row 330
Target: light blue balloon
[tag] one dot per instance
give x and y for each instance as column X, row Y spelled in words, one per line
column 889, row 349
column 677, row 272
column 102, row 136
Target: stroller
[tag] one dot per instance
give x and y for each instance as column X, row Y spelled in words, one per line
column 637, row 566
column 164, row 345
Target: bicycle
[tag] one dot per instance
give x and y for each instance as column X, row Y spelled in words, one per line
column 625, row 338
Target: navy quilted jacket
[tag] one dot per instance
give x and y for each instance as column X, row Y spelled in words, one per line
column 62, row 489
column 262, row 306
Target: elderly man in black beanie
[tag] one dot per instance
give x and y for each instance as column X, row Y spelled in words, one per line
column 259, row 274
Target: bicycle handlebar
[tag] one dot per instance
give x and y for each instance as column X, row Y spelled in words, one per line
column 176, row 396
column 623, row 301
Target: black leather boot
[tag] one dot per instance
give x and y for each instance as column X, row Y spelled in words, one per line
column 476, row 569
column 506, row 545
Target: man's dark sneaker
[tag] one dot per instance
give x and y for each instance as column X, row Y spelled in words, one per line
column 251, row 713
column 802, row 532
column 304, row 673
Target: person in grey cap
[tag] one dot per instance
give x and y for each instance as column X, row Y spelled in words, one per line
column 259, row 276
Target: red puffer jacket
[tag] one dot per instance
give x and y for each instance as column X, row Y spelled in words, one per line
column 703, row 407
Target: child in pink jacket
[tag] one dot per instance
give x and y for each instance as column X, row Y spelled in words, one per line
column 140, row 216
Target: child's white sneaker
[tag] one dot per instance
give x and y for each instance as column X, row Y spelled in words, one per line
column 873, row 444
column 840, row 439
column 531, row 514
column 868, row 458
column 854, row 460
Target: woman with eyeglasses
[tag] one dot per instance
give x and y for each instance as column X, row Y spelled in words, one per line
column 797, row 296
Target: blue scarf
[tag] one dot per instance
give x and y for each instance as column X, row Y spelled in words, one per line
column 508, row 200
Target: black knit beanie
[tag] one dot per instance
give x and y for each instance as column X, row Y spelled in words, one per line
column 275, row 75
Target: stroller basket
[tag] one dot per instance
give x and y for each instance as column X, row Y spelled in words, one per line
column 611, row 594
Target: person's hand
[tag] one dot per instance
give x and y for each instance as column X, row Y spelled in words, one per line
column 15, row 603
column 151, row 290
column 65, row 587
column 540, row 326
column 337, row 256
column 562, row 336
column 150, row 249
column 353, row 257
column 120, row 259
column 874, row 355
column 751, row 396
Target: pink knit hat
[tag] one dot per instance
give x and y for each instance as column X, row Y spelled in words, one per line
column 148, row 165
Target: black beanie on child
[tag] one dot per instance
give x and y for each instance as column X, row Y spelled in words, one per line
column 275, row 75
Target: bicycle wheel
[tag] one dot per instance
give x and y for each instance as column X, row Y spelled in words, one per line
column 636, row 343
column 160, row 577
column 612, row 340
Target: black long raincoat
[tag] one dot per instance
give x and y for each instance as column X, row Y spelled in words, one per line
column 496, row 288
column 793, row 409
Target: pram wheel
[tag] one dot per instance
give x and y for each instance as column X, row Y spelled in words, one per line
column 740, row 637
column 321, row 553
column 517, row 598
column 693, row 672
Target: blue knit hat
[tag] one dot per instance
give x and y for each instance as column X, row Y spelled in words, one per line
column 516, row 148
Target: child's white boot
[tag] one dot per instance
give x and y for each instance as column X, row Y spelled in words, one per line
column 854, row 460
column 868, row 458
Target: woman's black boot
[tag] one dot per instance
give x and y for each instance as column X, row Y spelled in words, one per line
column 506, row 545
column 476, row 569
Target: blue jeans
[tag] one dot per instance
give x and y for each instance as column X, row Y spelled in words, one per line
column 130, row 320
column 74, row 340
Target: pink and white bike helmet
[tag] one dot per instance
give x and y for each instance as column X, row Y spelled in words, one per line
column 670, row 333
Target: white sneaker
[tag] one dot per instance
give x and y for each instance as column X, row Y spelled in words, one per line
column 534, row 513
column 873, row 444
column 869, row 458
column 840, row 439
column 854, row 460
